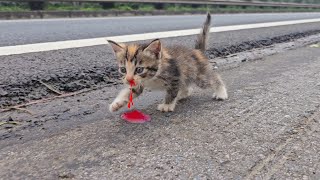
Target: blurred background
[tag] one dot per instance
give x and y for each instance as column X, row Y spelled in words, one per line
column 134, row 7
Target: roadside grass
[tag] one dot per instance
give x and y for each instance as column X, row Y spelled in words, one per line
column 71, row 7
column 9, row 7
column 147, row 8
column 17, row 7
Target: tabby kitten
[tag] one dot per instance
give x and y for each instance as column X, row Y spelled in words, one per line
column 173, row 69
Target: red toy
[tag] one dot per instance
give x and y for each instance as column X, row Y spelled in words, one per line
column 134, row 116
column 132, row 83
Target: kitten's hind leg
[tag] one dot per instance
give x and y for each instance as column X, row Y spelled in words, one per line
column 184, row 93
column 170, row 100
column 213, row 80
column 218, row 86
column 220, row 92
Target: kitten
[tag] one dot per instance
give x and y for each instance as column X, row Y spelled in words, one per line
column 172, row 69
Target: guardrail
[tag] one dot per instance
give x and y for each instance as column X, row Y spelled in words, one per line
column 214, row 2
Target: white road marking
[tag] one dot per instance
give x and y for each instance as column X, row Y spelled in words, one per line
column 49, row 46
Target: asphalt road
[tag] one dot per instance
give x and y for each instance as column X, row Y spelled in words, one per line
column 15, row 32
column 268, row 129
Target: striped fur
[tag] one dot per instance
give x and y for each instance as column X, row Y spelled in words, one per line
column 201, row 42
column 173, row 69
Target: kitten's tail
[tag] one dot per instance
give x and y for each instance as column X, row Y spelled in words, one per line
column 201, row 42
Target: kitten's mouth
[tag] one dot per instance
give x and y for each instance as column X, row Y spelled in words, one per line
column 134, row 83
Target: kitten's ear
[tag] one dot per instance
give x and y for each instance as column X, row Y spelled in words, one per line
column 154, row 47
column 115, row 46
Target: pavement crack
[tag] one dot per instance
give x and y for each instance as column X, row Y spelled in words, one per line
column 51, row 88
column 253, row 109
column 299, row 130
column 20, row 106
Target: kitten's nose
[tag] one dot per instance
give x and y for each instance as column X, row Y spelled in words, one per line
column 129, row 78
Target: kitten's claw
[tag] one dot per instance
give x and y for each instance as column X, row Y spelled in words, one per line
column 115, row 106
column 166, row 107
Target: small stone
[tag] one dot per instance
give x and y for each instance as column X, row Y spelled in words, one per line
column 295, row 131
column 10, row 118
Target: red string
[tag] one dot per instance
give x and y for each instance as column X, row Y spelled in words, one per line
column 132, row 83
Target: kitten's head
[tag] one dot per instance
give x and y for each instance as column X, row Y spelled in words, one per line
column 137, row 62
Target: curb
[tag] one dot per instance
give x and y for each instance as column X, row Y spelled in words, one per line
column 234, row 60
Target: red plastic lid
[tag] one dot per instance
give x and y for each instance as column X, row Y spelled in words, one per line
column 135, row 116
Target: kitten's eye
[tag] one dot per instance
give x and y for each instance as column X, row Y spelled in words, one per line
column 123, row 70
column 139, row 70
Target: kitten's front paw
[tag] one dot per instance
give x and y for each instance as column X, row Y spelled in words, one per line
column 116, row 105
column 166, row 107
